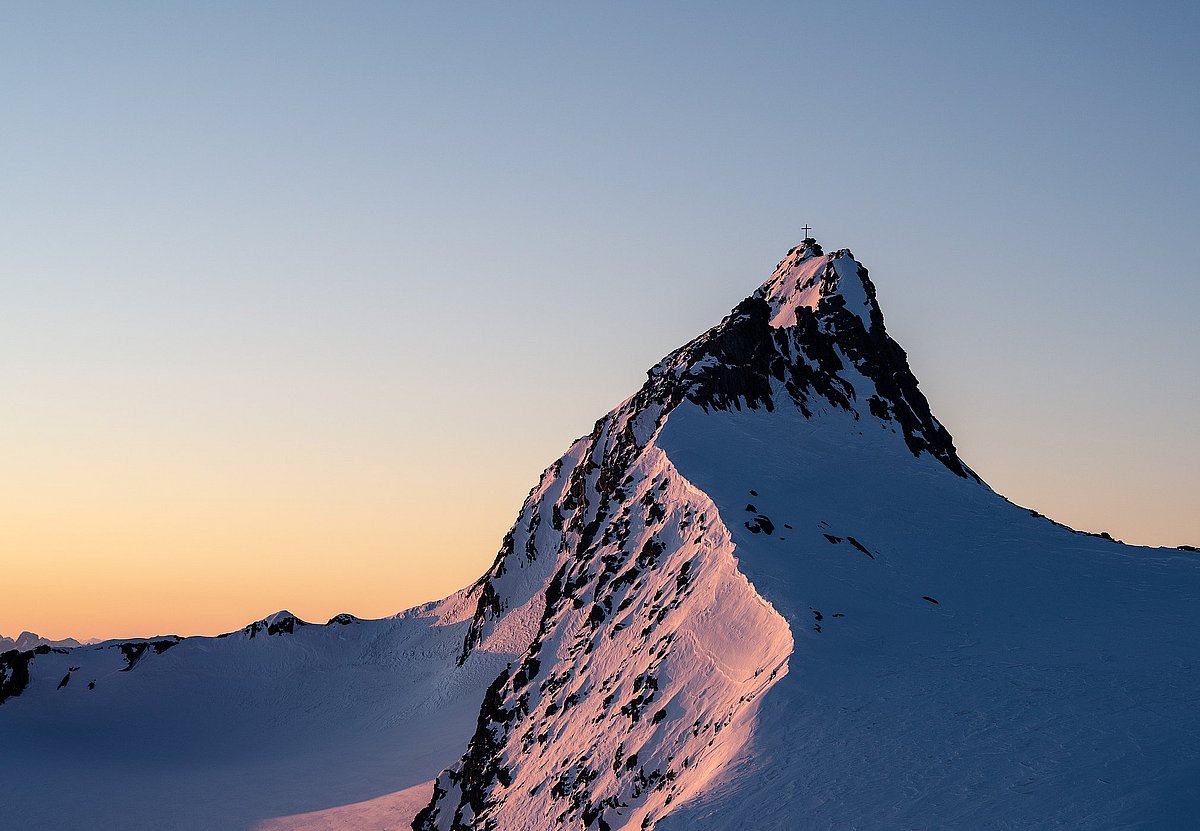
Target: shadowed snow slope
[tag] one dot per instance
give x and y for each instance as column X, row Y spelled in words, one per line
column 277, row 719
column 959, row 662
column 764, row 592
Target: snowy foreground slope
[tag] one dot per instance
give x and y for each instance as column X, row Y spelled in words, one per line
column 764, row 592
column 274, row 727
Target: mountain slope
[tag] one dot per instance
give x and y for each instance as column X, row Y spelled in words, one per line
column 791, row 445
column 976, row 667
column 764, row 591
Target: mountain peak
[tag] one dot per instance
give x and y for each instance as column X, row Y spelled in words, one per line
column 282, row 622
column 809, row 278
column 814, row 333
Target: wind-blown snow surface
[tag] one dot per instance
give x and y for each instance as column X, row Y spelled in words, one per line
column 764, row 592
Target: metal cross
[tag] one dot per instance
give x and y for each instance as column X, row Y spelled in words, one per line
column 806, row 229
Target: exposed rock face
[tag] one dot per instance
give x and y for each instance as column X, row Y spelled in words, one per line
column 14, row 673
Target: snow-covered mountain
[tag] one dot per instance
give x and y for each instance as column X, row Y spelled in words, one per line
column 764, row 592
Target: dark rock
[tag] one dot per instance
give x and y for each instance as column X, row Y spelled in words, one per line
column 761, row 524
column 285, row 625
column 860, row 547
column 14, row 673
column 133, row 653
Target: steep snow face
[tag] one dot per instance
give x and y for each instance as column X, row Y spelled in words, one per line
column 641, row 678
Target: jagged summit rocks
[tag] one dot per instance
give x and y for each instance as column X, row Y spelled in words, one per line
column 764, row 591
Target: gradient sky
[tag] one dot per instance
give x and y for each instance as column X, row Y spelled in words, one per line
column 300, row 298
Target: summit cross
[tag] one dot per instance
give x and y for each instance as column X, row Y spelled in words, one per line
column 806, row 229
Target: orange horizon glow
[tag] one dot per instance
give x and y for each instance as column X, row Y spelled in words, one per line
column 133, row 547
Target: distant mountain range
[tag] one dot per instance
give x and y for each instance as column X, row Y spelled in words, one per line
column 29, row 640
column 764, row 592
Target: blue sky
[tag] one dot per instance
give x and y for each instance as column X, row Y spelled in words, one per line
column 330, row 276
